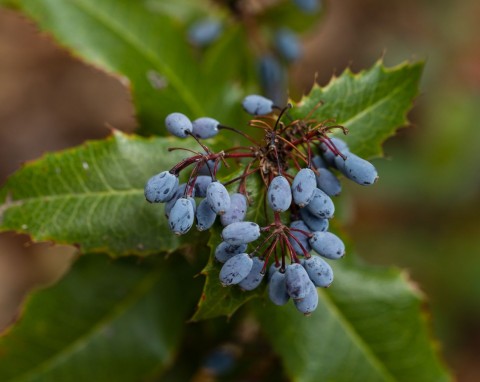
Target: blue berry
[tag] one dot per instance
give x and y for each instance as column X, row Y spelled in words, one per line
column 273, row 268
column 160, row 188
column 308, row 6
column 204, row 32
column 328, row 245
column 287, row 44
column 321, row 205
column 303, row 187
column 319, row 162
column 329, row 156
column 225, row 251
column 297, row 281
column 255, row 276
column 319, row 271
column 181, row 216
column 277, row 289
column 257, row 105
column 303, row 239
column 201, row 184
column 279, row 195
column 178, row 194
column 235, row 269
column 359, row 170
column 180, row 190
column 178, row 124
column 218, row 197
column 220, row 361
column 241, row 233
column 237, row 210
column 309, row 303
column 313, row 222
column 205, row 215
column 205, row 127
column 328, row 182
column 204, row 170
column 271, row 76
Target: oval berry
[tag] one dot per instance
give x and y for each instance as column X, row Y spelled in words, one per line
column 277, row 289
column 257, row 105
column 313, row 222
column 297, row 281
column 235, row 269
column 237, row 210
column 328, row 245
column 241, row 232
column 321, row 205
column 288, row 45
column 328, row 182
column 319, row 271
column 161, row 188
column 205, row 127
column 204, row 32
column 218, row 197
column 178, row 124
column 205, row 215
column 309, row 303
column 254, row 277
column 201, row 185
column 181, row 216
column 359, row 170
column 303, row 187
column 225, row 251
column 279, row 195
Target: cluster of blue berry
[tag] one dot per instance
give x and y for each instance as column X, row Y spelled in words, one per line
column 304, row 191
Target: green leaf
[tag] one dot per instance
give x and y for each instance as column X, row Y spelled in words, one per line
column 369, row 326
column 371, row 104
column 128, row 38
column 92, row 196
column 105, row 321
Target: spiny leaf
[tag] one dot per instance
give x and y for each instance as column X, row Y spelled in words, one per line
column 369, row 326
column 129, row 38
column 92, row 196
column 371, row 104
column 105, row 321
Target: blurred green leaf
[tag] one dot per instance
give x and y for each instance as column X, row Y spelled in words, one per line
column 369, row 326
column 371, row 104
column 127, row 38
column 92, row 196
column 105, row 321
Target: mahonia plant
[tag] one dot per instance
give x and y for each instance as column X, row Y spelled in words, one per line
column 296, row 161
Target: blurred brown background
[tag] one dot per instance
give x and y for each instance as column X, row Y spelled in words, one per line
column 422, row 215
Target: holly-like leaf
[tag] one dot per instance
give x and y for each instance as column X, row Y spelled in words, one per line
column 92, row 196
column 371, row 104
column 133, row 40
column 369, row 326
column 105, row 321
